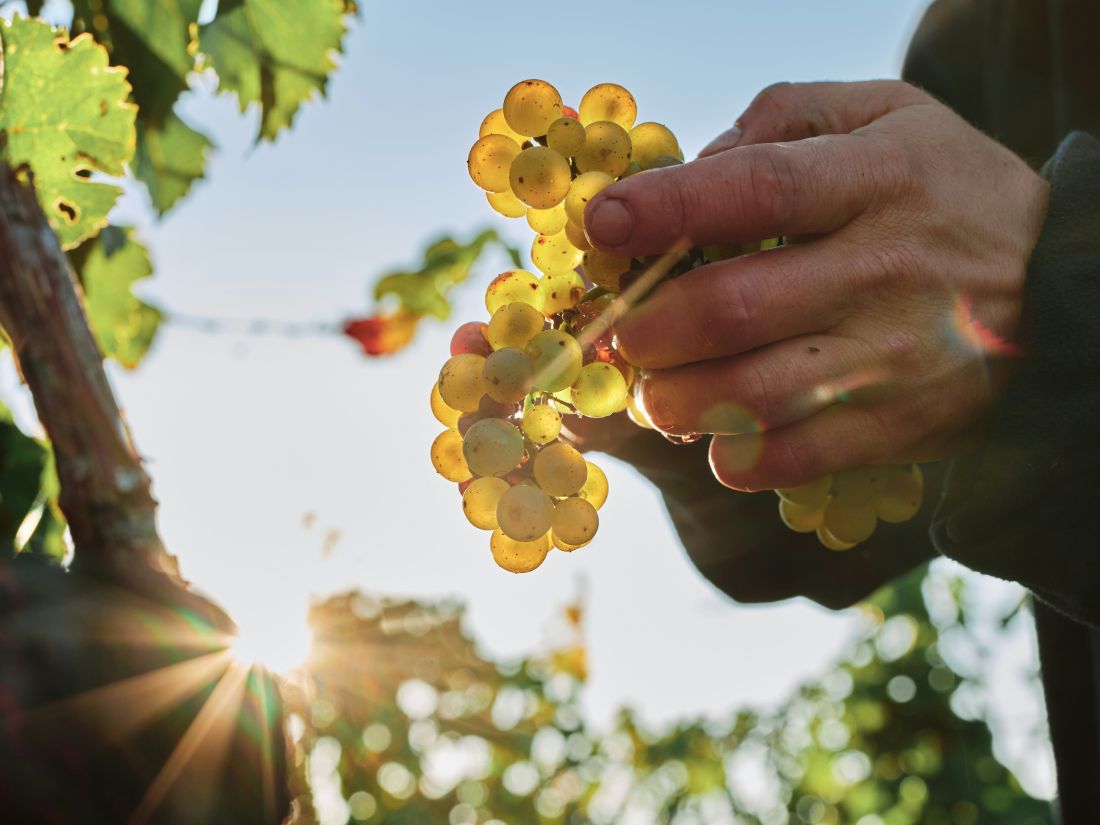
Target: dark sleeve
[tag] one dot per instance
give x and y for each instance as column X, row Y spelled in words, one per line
column 737, row 541
column 1026, row 506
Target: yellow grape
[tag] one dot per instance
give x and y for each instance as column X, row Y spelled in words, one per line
column 858, row 485
column 832, row 542
column 800, row 517
column 595, row 487
column 577, row 237
column 565, row 135
column 540, row 177
column 513, row 325
column 600, row 390
column 444, row 413
column 495, row 124
column 651, row 141
column 560, row 470
column 848, row 522
column 565, row 547
column 556, row 358
column 547, row 221
column 460, row 383
column 531, row 106
column 518, row 556
column 447, row 457
column 583, row 189
column 479, row 502
column 525, row 512
column 900, row 498
column 541, row 424
column 575, row 522
column 511, row 286
column 508, row 375
column 553, row 254
column 811, row 495
column 490, row 160
column 561, row 291
column 506, row 203
column 492, row 447
column 606, row 149
column 605, row 270
column 608, row 101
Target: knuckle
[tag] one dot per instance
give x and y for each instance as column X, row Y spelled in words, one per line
column 774, row 97
column 773, row 184
column 752, row 388
column 788, row 464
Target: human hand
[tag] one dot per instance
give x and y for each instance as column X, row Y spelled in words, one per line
column 865, row 339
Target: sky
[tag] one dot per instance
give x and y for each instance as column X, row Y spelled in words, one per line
column 245, row 435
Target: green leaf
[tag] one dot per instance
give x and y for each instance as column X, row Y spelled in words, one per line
column 123, row 324
column 64, row 112
column 22, row 463
column 277, row 53
column 170, row 158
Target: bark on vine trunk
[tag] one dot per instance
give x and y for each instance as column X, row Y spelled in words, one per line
column 105, row 492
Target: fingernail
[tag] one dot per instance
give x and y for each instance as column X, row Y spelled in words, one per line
column 609, row 222
column 727, row 140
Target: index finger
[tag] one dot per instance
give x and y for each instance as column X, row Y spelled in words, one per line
column 748, row 193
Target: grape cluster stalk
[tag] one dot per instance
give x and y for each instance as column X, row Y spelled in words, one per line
column 547, row 350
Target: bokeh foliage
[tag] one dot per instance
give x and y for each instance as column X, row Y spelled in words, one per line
column 399, row 719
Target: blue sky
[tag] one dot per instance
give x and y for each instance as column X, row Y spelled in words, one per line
column 245, row 435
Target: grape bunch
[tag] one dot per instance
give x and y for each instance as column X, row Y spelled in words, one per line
column 547, row 348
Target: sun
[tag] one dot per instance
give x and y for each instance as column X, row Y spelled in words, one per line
column 273, row 635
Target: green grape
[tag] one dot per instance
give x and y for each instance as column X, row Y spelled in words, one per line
column 518, row 556
column 595, row 487
column 606, row 149
column 832, row 542
column 651, row 141
column 548, row 221
column 900, row 497
column 490, row 160
column 524, row 513
column 553, row 254
column 513, row 325
column 446, row 415
column 800, row 517
column 460, row 384
column 636, row 414
column 561, row 291
column 507, row 375
column 663, row 161
column 600, row 390
column 577, row 237
column 541, row 424
column 447, row 457
column 565, row 136
column 493, row 447
column 511, row 286
column 810, row 495
column 849, row 522
column 608, row 101
column 858, row 485
column 583, row 189
column 605, row 270
column 495, row 124
column 632, row 168
column 540, row 177
column 479, row 502
column 531, row 106
column 575, row 522
column 506, row 203
column 560, row 470
column 557, row 359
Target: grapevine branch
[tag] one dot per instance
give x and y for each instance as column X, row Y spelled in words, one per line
column 105, row 492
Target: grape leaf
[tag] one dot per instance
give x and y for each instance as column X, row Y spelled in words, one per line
column 264, row 54
column 22, row 462
column 123, row 324
column 170, row 157
column 64, row 112
column 446, row 263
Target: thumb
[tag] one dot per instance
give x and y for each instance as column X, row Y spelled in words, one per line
column 793, row 111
